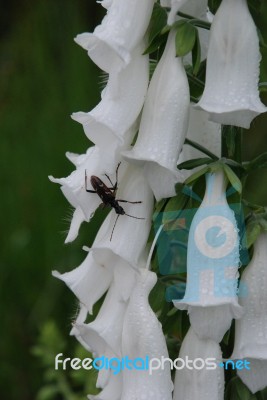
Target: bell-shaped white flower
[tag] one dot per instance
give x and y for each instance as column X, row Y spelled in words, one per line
column 94, row 162
column 251, row 329
column 200, row 381
column 204, row 132
column 231, row 95
column 110, row 383
column 142, row 336
column 88, row 282
column 163, row 123
column 212, row 264
column 125, row 236
column 106, row 329
column 73, row 186
column 122, row 101
column 122, row 29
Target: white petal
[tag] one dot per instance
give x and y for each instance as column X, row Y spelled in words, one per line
column 231, row 94
column 165, row 116
column 121, row 103
column 143, row 336
column 200, row 384
column 111, row 391
column 212, row 263
column 88, row 282
column 255, row 378
column 77, row 219
column 106, row 329
column 105, row 3
column 251, row 329
column 129, row 234
column 203, row 132
column 121, row 30
column 196, row 8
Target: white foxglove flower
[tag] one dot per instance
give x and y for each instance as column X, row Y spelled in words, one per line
column 212, row 264
column 122, row 101
column 251, row 329
column 106, row 380
column 231, row 95
column 163, row 124
column 142, row 336
column 204, row 132
column 73, row 186
column 88, row 282
column 199, row 382
column 122, row 29
column 106, row 329
column 122, row 236
column 94, row 162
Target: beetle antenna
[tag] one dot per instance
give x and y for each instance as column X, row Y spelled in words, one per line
column 114, row 227
column 132, row 216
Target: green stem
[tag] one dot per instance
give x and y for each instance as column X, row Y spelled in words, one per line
column 201, row 148
column 232, row 143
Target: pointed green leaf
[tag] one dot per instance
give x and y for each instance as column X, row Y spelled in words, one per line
column 197, row 162
column 234, row 180
column 157, row 22
column 185, row 39
column 253, row 230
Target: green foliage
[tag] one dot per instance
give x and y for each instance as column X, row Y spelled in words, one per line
column 185, row 37
column 236, row 390
column 68, row 384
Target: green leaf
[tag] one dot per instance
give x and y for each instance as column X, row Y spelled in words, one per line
column 196, row 175
column 185, row 38
column 156, row 43
column 234, row 180
column 157, row 22
column 196, row 55
column 253, row 230
column 236, row 390
column 197, row 162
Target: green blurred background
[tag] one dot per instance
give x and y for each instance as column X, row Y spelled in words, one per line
column 45, row 77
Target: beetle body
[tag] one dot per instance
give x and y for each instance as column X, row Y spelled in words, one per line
column 106, row 195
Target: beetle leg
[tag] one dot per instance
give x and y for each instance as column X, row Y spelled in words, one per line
column 131, row 202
